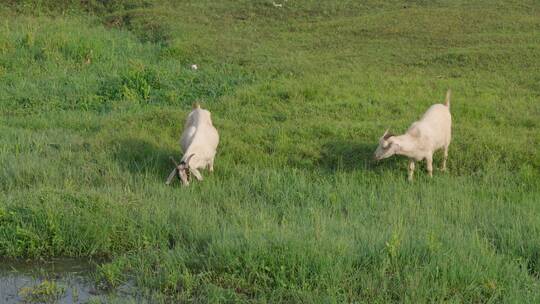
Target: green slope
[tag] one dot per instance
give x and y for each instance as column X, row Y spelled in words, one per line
column 93, row 98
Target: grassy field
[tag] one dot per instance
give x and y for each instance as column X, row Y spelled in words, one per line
column 93, row 98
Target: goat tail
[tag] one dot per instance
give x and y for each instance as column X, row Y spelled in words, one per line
column 447, row 99
column 196, row 105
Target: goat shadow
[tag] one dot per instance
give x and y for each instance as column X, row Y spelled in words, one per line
column 349, row 156
column 140, row 157
column 143, row 157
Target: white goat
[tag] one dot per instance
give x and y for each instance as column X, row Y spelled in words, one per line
column 431, row 133
column 199, row 142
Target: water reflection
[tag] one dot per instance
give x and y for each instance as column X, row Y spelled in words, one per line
column 54, row 281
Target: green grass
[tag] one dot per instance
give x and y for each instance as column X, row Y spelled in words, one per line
column 45, row 292
column 93, row 99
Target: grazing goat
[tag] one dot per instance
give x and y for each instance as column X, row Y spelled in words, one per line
column 199, row 142
column 431, row 133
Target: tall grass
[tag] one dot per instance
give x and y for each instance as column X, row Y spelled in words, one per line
column 93, row 98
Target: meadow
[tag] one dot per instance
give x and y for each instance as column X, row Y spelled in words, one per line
column 93, row 97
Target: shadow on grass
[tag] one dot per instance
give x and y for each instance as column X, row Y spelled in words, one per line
column 142, row 157
column 350, row 156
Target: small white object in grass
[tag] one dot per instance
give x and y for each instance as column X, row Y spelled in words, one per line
column 194, row 67
column 277, row 4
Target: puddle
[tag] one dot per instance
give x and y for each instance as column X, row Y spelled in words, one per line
column 55, row 281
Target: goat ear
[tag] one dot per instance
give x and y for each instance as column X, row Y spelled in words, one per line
column 386, row 132
column 171, row 176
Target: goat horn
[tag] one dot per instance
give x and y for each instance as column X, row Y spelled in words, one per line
column 172, row 159
column 188, row 159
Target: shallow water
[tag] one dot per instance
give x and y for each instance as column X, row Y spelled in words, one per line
column 73, row 276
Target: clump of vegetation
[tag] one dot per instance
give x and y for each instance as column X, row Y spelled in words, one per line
column 45, row 292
